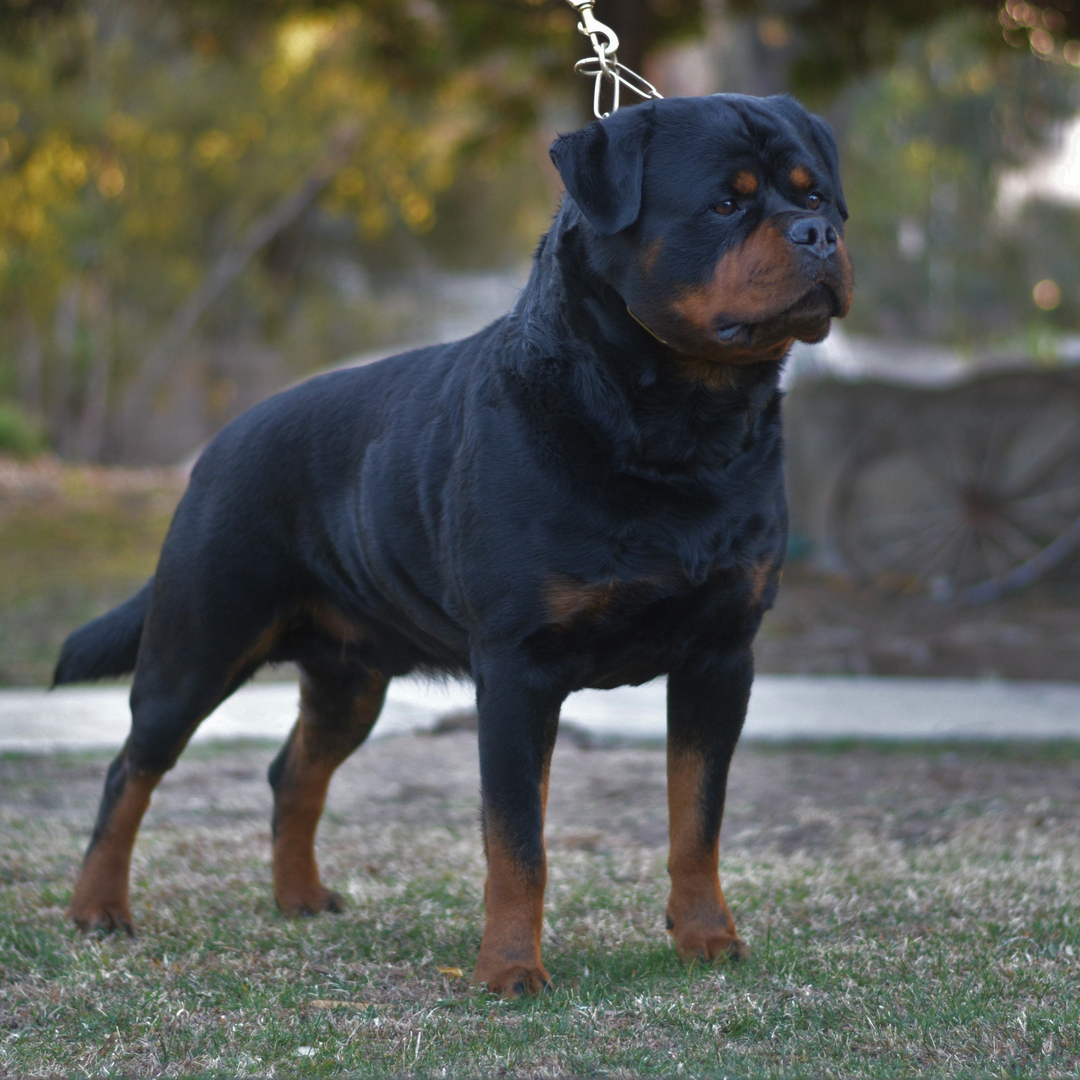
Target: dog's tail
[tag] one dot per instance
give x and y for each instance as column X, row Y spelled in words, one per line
column 107, row 645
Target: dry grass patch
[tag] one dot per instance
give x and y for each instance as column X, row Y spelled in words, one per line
column 911, row 912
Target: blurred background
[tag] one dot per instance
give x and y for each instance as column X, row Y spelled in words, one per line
column 203, row 202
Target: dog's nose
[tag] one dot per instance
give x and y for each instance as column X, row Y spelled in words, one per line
column 815, row 234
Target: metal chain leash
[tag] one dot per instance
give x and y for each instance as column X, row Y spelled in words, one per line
column 604, row 66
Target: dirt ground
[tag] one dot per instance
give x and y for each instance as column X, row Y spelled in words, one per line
column 909, row 911
column 785, row 800
column 822, row 625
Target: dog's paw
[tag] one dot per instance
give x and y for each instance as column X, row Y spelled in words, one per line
column 310, row 901
column 515, row 981
column 707, row 942
column 102, row 917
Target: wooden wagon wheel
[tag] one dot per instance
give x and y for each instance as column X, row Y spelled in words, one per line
column 968, row 492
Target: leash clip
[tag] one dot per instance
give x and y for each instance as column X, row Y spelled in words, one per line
column 605, row 65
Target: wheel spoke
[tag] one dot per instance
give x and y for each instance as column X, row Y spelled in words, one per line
column 929, row 454
column 889, row 558
column 965, row 546
column 992, row 553
column 998, row 441
column 1050, row 456
column 940, row 553
column 879, row 536
column 1012, row 539
column 1064, row 499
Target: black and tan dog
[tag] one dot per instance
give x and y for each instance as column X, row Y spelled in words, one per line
column 588, row 493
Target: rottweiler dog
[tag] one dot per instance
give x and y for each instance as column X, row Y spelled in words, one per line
column 587, row 493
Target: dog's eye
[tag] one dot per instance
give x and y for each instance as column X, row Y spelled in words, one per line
column 728, row 206
column 814, row 200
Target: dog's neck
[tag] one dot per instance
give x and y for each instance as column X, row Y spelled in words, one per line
column 579, row 350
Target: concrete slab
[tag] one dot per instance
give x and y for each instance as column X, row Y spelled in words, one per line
column 782, row 707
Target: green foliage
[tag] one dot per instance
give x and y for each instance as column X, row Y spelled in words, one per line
column 835, row 41
column 20, row 435
column 926, row 142
column 138, row 141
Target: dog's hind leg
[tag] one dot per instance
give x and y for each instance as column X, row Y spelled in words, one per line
column 100, row 899
column 338, row 708
column 193, row 654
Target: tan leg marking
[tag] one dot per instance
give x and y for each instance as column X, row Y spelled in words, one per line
column 697, row 913
column 509, row 962
column 313, row 757
column 100, row 899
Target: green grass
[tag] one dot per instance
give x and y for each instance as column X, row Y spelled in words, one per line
column 872, row 958
column 74, row 542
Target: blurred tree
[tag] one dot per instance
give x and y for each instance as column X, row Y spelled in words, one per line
column 170, row 166
column 925, row 145
column 174, row 175
column 829, row 42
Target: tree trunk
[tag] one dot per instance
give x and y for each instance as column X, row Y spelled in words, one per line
column 89, row 435
column 139, row 399
column 30, row 364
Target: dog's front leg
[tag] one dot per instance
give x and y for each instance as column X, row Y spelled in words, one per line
column 706, row 708
column 518, row 725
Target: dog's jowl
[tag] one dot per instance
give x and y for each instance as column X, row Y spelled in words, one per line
column 587, row 493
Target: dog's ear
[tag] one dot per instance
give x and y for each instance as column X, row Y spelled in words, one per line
column 601, row 166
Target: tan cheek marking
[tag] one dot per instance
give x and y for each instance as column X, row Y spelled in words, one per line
column 801, row 178
column 750, row 284
column 745, row 183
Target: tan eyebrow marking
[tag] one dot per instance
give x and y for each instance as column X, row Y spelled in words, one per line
column 800, row 177
column 745, row 183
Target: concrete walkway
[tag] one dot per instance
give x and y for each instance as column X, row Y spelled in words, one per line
column 782, row 707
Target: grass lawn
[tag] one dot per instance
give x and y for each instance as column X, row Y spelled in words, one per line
column 912, row 911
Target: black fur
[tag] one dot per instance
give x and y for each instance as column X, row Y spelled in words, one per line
column 106, row 646
column 556, row 502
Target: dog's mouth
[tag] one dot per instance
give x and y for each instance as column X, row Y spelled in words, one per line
column 807, row 320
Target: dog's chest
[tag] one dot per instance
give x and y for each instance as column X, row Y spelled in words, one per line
column 621, row 631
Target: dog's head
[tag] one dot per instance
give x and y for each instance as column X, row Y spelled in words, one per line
column 718, row 220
